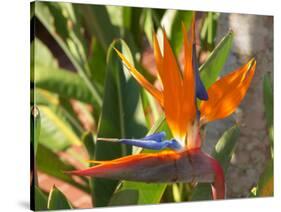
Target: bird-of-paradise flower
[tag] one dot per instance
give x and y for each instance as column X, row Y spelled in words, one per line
column 185, row 162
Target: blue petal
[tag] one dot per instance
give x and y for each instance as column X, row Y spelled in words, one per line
column 147, row 144
column 154, row 145
column 158, row 137
column 201, row 92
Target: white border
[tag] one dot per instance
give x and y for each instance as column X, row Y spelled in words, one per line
column 14, row 65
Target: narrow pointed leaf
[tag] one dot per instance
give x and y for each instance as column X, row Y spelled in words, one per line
column 210, row 70
column 57, row 200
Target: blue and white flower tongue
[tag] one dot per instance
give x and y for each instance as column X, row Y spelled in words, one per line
column 154, row 142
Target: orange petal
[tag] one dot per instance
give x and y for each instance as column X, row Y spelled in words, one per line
column 150, row 167
column 226, row 94
column 188, row 99
column 141, row 80
column 172, row 89
column 164, row 167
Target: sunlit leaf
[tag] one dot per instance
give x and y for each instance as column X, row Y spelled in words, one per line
column 210, row 70
column 63, row 83
column 56, row 132
column 120, row 16
column 41, row 55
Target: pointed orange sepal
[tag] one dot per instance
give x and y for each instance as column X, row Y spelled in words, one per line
column 172, row 88
column 140, row 79
column 188, row 103
column 226, row 94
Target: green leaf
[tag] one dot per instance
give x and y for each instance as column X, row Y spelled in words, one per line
column 99, row 24
column 225, row 147
column 120, row 16
column 136, row 28
column 127, row 17
column 211, row 69
column 202, row 192
column 222, row 152
column 62, row 82
column 60, row 106
column 97, row 63
column 89, row 143
column 35, row 128
column 49, row 163
column 41, row 55
column 124, row 120
column 56, row 133
column 43, row 97
column 268, row 99
column 57, row 200
column 40, row 200
column 172, row 23
column 266, row 181
column 209, row 31
column 148, row 24
column 126, row 197
column 268, row 105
